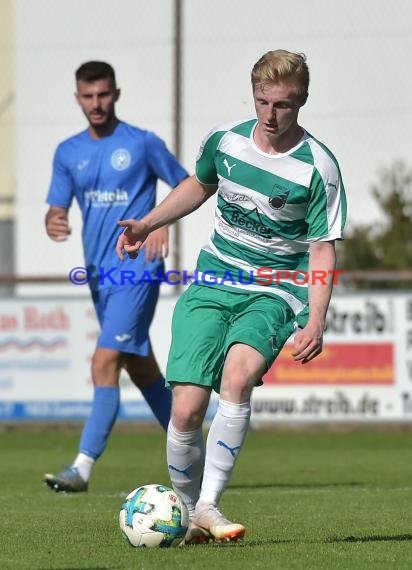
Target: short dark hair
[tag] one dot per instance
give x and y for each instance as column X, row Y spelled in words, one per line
column 94, row 70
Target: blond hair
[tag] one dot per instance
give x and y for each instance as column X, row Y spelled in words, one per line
column 282, row 66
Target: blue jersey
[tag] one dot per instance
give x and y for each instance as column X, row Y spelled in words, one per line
column 113, row 178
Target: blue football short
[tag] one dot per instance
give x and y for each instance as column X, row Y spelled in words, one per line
column 125, row 314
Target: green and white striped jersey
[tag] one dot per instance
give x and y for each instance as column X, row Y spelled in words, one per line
column 269, row 209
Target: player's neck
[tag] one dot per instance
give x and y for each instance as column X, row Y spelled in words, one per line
column 101, row 131
column 278, row 144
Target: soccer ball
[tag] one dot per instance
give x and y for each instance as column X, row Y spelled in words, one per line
column 153, row 515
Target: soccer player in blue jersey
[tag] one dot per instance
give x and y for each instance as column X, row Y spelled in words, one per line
column 112, row 169
column 280, row 207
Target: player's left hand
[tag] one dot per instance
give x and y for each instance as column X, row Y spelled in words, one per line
column 308, row 343
column 157, row 244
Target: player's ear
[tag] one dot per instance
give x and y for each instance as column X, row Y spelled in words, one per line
column 304, row 98
column 117, row 94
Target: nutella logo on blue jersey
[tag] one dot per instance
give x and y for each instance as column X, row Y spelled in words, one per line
column 120, row 159
column 106, row 198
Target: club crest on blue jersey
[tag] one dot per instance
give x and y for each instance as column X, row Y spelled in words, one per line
column 120, row 159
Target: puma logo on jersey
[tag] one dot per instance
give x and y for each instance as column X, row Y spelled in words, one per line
column 329, row 184
column 229, row 168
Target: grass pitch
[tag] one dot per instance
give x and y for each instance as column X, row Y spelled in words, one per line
column 309, row 499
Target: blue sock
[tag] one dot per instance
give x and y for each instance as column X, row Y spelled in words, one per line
column 159, row 399
column 99, row 424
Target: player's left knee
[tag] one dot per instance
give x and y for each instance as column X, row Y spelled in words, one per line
column 144, row 374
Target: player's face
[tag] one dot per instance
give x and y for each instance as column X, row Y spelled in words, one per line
column 277, row 108
column 97, row 100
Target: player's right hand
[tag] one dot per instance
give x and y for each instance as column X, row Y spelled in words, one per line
column 132, row 238
column 57, row 227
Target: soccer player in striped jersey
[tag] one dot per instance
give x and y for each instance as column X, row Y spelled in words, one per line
column 267, row 271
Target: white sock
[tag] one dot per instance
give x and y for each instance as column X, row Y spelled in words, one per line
column 185, row 460
column 225, row 439
column 84, row 464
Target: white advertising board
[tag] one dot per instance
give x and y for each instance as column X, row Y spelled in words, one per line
column 363, row 374
column 45, row 354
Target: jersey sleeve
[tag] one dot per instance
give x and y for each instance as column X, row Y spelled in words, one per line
column 61, row 186
column 326, row 212
column 206, row 171
column 162, row 162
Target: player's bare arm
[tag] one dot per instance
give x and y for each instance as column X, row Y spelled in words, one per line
column 187, row 197
column 309, row 341
column 57, row 223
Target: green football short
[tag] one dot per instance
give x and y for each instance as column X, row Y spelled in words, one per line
column 207, row 321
